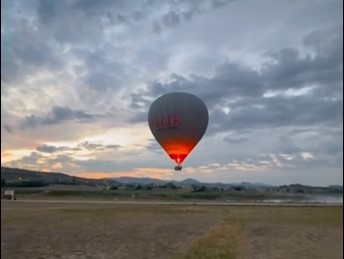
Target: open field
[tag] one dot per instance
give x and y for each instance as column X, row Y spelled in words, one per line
column 110, row 230
column 185, row 194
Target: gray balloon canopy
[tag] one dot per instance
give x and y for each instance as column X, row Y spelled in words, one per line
column 178, row 121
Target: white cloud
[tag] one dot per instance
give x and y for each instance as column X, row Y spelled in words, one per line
column 307, row 156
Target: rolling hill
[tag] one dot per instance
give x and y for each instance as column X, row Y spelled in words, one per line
column 17, row 175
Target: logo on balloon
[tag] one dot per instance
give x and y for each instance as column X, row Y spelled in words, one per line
column 166, row 123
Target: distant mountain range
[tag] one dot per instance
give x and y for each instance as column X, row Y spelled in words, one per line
column 21, row 175
column 10, row 175
column 147, row 180
column 185, row 182
column 17, row 174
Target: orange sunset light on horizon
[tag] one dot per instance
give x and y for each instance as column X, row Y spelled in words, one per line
column 160, row 173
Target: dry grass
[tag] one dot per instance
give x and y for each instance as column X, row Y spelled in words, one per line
column 225, row 241
column 61, row 230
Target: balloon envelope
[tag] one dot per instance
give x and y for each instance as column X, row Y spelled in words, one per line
column 178, row 121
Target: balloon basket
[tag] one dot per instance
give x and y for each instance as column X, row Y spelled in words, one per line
column 178, row 168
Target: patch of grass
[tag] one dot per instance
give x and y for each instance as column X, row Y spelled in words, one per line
column 138, row 194
column 59, row 193
column 226, row 241
column 201, row 195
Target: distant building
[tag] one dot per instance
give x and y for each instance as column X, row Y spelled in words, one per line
column 10, row 195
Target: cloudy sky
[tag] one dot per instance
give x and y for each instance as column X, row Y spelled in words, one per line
column 78, row 77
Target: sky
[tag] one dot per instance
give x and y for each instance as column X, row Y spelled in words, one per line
column 78, row 78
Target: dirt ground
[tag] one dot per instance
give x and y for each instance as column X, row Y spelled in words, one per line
column 97, row 231
column 50, row 230
column 279, row 242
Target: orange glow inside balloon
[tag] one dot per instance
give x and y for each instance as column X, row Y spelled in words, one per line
column 178, row 148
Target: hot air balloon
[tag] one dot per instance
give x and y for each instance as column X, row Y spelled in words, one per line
column 178, row 121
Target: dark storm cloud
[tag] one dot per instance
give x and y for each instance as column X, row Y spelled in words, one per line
column 63, row 159
column 183, row 11
column 83, row 145
column 49, row 11
column 139, row 101
column 24, row 49
column 156, row 27
column 91, row 7
column 139, row 117
column 153, row 146
column 232, row 140
column 280, row 111
column 101, row 81
column 329, row 138
column 233, row 80
column 24, row 53
column 95, row 146
column 286, row 144
column 242, row 89
column 98, row 61
column 324, row 144
column 89, row 13
column 81, row 21
column 171, row 19
column 57, row 115
column 37, row 161
column 8, row 128
column 98, row 165
column 102, row 73
column 72, row 22
column 328, row 43
column 220, row 3
column 287, row 147
column 29, row 161
column 50, row 149
column 287, row 68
